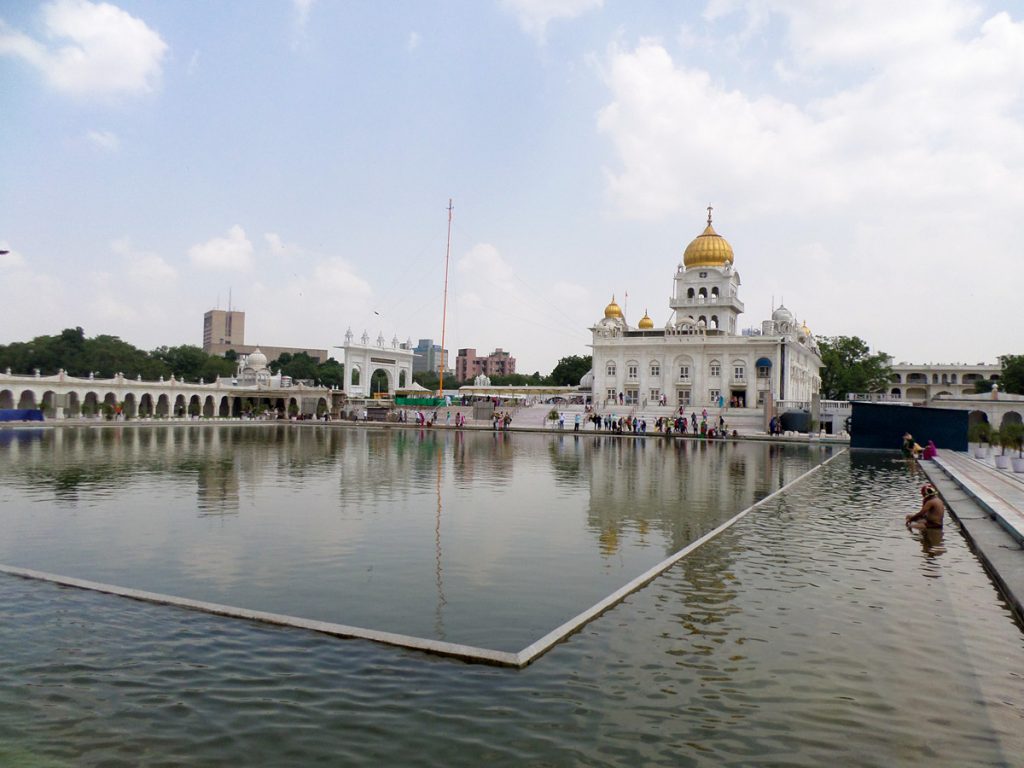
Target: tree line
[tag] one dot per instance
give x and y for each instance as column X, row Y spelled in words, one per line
column 849, row 364
column 104, row 356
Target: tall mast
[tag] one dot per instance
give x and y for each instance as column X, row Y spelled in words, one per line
column 444, row 309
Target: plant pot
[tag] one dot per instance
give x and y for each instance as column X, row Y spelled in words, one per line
column 981, row 452
column 1002, row 462
column 1018, row 464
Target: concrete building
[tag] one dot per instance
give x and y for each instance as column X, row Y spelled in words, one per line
column 224, row 330
column 699, row 358
column 469, row 365
column 428, row 357
column 921, row 383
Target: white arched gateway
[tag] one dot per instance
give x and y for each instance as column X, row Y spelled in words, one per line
column 378, row 368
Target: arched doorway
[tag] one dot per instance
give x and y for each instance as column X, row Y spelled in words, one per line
column 976, row 417
column 27, row 401
column 1010, row 417
column 163, row 406
column 179, row 406
column 90, row 404
column 131, row 405
column 380, row 383
column 195, row 406
column 146, row 405
column 209, row 407
column 6, row 398
column 917, row 394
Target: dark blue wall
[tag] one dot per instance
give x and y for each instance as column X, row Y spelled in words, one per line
column 876, row 425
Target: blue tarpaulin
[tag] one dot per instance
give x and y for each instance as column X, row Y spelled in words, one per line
column 21, row 414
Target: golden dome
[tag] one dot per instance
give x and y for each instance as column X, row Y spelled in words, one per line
column 708, row 249
column 613, row 310
column 645, row 323
column 806, row 330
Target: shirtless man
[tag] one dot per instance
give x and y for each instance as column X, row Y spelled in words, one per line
column 931, row 513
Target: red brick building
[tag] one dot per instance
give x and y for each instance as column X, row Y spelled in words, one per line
column 469, row 365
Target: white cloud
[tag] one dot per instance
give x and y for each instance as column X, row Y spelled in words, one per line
column 232, row 252
column 143, row 266
column 896, row 132
column 535, row 15
column 34, row 302
column 91, row 48
column 302, row 9
column 535, row 321
column 413, row 42
column 279, row 247
column 104, row 140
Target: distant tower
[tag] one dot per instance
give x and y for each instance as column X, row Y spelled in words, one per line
column 223, row 330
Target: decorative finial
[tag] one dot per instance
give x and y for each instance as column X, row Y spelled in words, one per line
column 709, row 214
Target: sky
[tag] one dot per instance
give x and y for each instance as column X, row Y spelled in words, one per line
column 864, row 158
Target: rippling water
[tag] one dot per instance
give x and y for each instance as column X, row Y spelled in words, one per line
column 817, row 630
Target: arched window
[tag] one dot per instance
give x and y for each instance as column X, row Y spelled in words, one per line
column 610, row 369
column 715, row 368
column 655, row 369
column 714, row 294
column 689, row 294
column 714, row 321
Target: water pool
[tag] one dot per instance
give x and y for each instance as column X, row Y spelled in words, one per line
column 815, row 630
column 480, row 538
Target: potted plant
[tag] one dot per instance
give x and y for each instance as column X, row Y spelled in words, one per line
column 998, row 438
column 979, row 434
column 1014, row 436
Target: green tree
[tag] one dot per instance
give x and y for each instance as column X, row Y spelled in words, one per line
column 185, row 361
column 427, row 379
column 570, row 370
column 331, row 373
column 282, row 360
column 518, row 380
column 298, row 366
column 848, row 366
column 1011, row 379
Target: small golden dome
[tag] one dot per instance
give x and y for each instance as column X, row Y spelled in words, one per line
column 613, row 310
column 645, row 323
column 708, row 249
column 806, row 330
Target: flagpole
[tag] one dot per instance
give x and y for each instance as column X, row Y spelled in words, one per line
column 444, row 309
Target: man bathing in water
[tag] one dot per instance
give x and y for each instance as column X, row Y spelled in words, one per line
column 931, row 513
